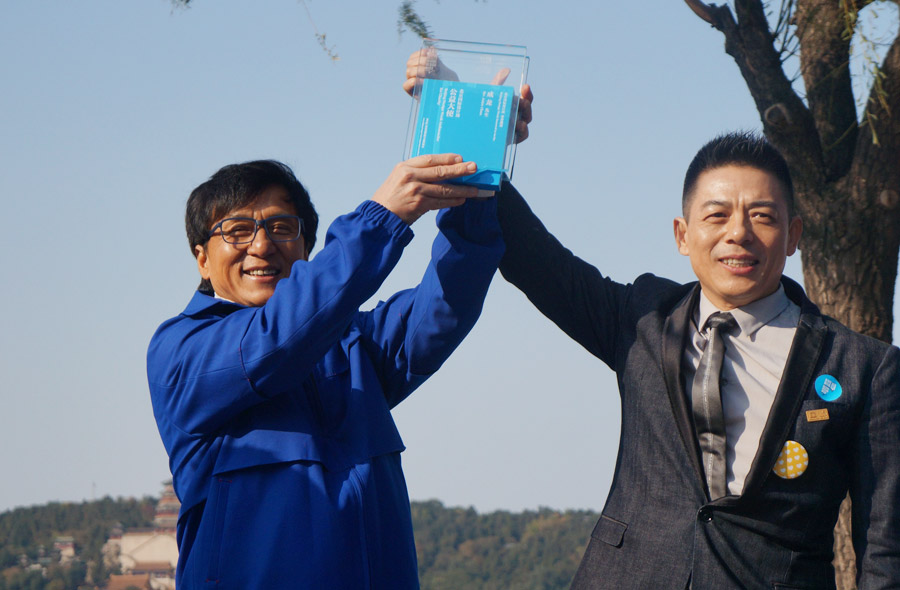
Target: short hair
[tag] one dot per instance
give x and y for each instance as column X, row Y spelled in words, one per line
column 742, row 148
column 237, row 185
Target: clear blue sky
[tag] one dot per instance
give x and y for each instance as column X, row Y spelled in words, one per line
column 111, row 112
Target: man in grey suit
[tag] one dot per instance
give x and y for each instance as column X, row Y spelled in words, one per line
column 747, row 415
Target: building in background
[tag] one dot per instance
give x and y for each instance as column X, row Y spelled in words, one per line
column 146, row 556
column 65, row 546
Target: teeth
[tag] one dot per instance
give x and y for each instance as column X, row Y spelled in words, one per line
column 264, row 272
column 737, row 262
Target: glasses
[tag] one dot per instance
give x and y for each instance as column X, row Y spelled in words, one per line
column 242, row 230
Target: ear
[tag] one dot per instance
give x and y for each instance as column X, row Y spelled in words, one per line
column 679, row 225
column 795, row 230
column 202, row 261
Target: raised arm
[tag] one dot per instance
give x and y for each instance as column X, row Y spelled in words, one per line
column 569, row 291
column 411, row 334
column 205, row 369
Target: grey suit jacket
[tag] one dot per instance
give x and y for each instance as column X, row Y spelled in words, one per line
column 658, row 529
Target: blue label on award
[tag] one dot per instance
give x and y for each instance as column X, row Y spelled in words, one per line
column 467, row 119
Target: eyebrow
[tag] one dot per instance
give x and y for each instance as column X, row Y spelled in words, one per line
column 754, row 204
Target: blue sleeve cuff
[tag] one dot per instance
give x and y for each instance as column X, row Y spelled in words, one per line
column 381, row 216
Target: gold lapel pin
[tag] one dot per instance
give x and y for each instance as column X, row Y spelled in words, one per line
column 817, row 415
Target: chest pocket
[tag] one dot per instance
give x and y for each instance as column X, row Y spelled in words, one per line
column 825, row 429
column 328, row 389
column 831, row 422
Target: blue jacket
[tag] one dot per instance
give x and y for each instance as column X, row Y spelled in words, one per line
column 277, row 418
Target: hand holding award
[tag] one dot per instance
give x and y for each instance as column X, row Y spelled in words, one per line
column 463, row 105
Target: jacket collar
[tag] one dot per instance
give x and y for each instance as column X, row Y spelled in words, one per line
column 675, row 334
column 798, row 372
column 796, row 380
column 203, row 303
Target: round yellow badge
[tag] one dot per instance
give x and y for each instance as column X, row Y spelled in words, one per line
column 792, row 461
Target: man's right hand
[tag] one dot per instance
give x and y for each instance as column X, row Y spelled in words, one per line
column 419, row 185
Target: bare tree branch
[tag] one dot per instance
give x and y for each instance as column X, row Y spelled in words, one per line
column 879, row 137
column 785, row 34
column 787, row 122
column 825, row 29
column 320, row 37
column 881, row 117
column 702, row 10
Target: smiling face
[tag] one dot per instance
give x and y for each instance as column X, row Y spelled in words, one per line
column 738, row 234
column 247, row 273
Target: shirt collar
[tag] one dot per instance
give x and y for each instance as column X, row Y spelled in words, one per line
column 220, row 298
column 750, row 317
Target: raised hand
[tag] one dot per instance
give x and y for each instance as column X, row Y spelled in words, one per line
column 415, row 73
column 419, row 185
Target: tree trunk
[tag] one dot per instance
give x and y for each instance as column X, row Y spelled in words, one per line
column 849, row 255
column 844, row 557
column 849, row 270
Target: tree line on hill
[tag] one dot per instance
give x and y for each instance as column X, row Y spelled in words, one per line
column 457, row 547
column 27, row 536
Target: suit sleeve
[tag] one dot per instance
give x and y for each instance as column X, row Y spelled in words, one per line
column 569, row 291
column 875, row 488
column 204, row 371
column 410, row 335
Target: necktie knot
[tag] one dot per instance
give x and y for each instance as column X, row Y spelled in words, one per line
column 722, row 321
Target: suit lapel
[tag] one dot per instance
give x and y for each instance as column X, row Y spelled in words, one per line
column 795, row 381
column 675, row 336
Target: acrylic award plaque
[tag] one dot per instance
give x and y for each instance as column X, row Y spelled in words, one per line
column 466, row 101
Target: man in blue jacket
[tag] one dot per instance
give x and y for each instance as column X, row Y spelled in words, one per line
column 272, row 391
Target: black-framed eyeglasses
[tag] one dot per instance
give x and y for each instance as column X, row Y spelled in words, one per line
column 242, row 230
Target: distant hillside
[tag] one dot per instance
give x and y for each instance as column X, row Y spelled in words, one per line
column 27, row 535
column 457, row 547
column 461, row 549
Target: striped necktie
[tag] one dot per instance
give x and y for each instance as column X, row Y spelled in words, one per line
column 706, row 403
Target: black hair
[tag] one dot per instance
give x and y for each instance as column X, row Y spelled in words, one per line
column 742, row 148
column 237, row 185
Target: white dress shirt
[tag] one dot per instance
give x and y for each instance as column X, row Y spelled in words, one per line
column 756, row 352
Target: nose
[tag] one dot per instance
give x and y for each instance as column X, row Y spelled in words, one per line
column 740, row 228
column 261, row 244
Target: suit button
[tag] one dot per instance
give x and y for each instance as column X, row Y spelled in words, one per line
column 705, row 515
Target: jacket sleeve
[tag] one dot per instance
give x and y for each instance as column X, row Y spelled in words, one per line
column 569, row 291
column 410, row 335
column 875, row 485
column 204, row 371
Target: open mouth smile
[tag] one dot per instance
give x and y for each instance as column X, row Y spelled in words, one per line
column 739, row 262
column 262, row 272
